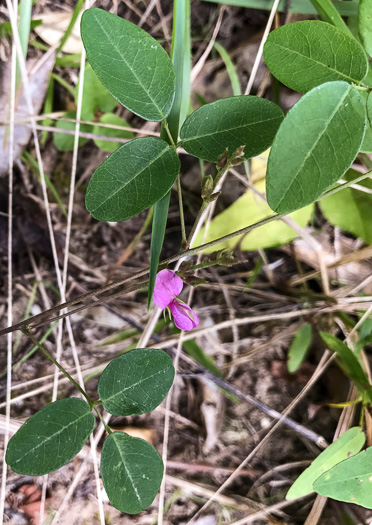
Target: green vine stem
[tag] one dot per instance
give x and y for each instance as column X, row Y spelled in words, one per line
column 26, row 331
column 44, row 317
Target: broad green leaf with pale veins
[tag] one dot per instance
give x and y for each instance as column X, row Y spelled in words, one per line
column 365, row 24
column 303, row 55
column 130, row 64
column 136, row 382
column 346, row 445
column 50, row 438
column 230, row 123
column 317, row 142
column 131, row 471
column 132, row 179
column 350, row 480
column 350, row 209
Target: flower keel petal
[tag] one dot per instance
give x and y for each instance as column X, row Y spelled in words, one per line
column 184, row 317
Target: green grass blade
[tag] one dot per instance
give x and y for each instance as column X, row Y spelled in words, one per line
column 329, row 13
column 70, row 27
column 24, row 31
column 230, row 68
column 302, row 7
column 181, row 58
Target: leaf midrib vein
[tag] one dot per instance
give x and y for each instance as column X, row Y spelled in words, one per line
column 51, row 437
column 289, row 50
column 132, row 386
column 128, row 473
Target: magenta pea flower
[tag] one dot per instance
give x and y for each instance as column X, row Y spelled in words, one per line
column 167, row 286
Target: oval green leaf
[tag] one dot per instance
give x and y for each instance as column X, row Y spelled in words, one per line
column 350, row 209
column 64, row 142
column 317, row 142
column 115, row 120
column 350, row 480
column 365, row 24
column 303, row 55
column 130, row 64
column 132, row 471
column 230, row 123
column 136, row 382
column 349, row 361
column 50, row 438
column 132, row 179
column 346, row 445
column 299, row 347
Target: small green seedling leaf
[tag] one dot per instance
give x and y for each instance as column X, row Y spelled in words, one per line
column 365, row 24
column 350, row 209
column 132, row 471
column 130, row 64
column 132, row 179
column 351, row 442
column 349, row 361
column 303, row 55
column 64, row 142
column 50, row 438
column 317, row 142
column 230, row 123
column 349, row 481
column 95, row 95
column 115, row 120
column 299, row 347
column 136, row 382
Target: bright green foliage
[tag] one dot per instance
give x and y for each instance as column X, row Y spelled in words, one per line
column 350, row 209
column 132, row 179
column 299, row 347
column 350, row 480
column 95, row 95
column 249, row 209
column 115, row 120
column 130, row 64
column 50, row 438
column 230, row 123
column 131, row 471
column 329, row 13
column 365, row 24
column 303, row 55
column 136, row 382
column 64, row 142
column 349, row 362
column 346, row 445
column 304, row 7
column 315, row 145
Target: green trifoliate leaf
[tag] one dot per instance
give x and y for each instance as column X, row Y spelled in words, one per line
column 50, row 438
column 350, row 480
column 131, row 471
column 349, row 443
column 130, row 64
column 303, row 55
column 136, row 382
column 365, row 24
column 132, row 179
column 317, row 142
column 230, row 123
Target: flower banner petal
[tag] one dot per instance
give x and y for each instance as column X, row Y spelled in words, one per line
column 167, row 286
